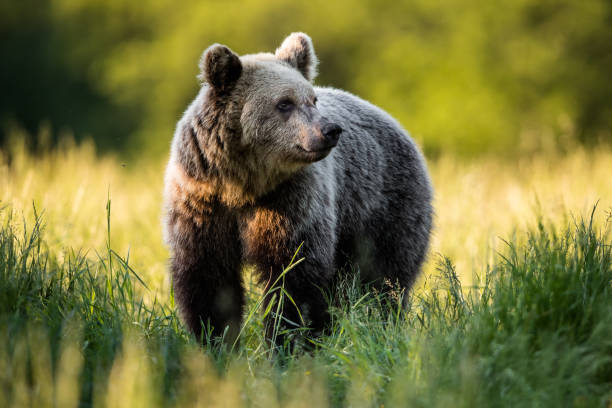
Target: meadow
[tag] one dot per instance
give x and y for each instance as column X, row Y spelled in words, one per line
column 510, row 102
column 513, row 307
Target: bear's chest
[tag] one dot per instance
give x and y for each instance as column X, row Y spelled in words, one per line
column 265, row 234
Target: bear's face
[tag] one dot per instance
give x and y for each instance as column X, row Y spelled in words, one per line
column 279, row 120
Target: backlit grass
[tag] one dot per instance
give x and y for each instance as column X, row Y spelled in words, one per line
column 476, row 202
column 516, row 311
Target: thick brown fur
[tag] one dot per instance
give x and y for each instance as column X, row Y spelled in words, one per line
column 263, row 162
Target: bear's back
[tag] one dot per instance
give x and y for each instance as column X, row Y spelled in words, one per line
column 375, row 161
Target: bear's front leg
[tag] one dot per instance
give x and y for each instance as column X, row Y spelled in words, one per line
column 205, row 264
column 306, row 305
column 271, row 236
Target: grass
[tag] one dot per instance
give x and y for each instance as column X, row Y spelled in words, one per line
column 537, row 330
column 477, row 202
column 526, row 321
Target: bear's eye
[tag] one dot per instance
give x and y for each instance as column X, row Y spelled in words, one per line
column 285, row 105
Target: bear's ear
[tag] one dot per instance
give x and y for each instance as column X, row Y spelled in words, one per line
column 297, row 50
column 220, row 67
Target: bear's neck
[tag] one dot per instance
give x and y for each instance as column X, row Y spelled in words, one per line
column 217, row 169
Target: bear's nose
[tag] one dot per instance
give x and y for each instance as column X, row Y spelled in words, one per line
column 331, row 131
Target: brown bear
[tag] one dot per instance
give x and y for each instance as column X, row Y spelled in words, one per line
column 262, row 162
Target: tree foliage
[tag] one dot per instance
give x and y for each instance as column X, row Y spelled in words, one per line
column 461, row 75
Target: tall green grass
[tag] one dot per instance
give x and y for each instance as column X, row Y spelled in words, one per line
column 534, row 329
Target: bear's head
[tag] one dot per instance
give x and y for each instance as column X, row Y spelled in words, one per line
column 268, row 106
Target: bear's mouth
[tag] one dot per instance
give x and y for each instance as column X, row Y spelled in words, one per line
column 310, row 156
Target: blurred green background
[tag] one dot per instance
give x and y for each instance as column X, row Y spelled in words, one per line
column 465, row 77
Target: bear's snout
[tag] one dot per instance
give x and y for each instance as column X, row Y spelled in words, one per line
column 331, row 132
column 322, row 137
